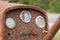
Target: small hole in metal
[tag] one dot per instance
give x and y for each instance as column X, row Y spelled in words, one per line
column 8, row 34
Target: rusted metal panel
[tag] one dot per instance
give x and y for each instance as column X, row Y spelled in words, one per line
column 31, row 27
column 5, row 7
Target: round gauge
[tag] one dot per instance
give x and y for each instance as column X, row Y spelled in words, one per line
column 40, row 21
column 10, row 23
column 25, row 16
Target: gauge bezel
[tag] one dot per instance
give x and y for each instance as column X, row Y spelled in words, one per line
column 28, row 14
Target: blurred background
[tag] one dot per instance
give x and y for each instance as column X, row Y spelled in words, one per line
column 52, row 8
column 48, row 5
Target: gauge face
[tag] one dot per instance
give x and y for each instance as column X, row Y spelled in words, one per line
column 25, row 16
column 10, row 23
column 40, row 21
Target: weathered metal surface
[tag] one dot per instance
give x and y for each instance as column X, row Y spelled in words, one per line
column 53, row 30
column 33, row 31
column 13, row 10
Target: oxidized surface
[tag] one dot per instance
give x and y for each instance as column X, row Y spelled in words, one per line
column 13, row 10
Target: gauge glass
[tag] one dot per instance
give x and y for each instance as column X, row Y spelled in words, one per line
column 40, row 21
column 25, row 16
column 10, row 23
